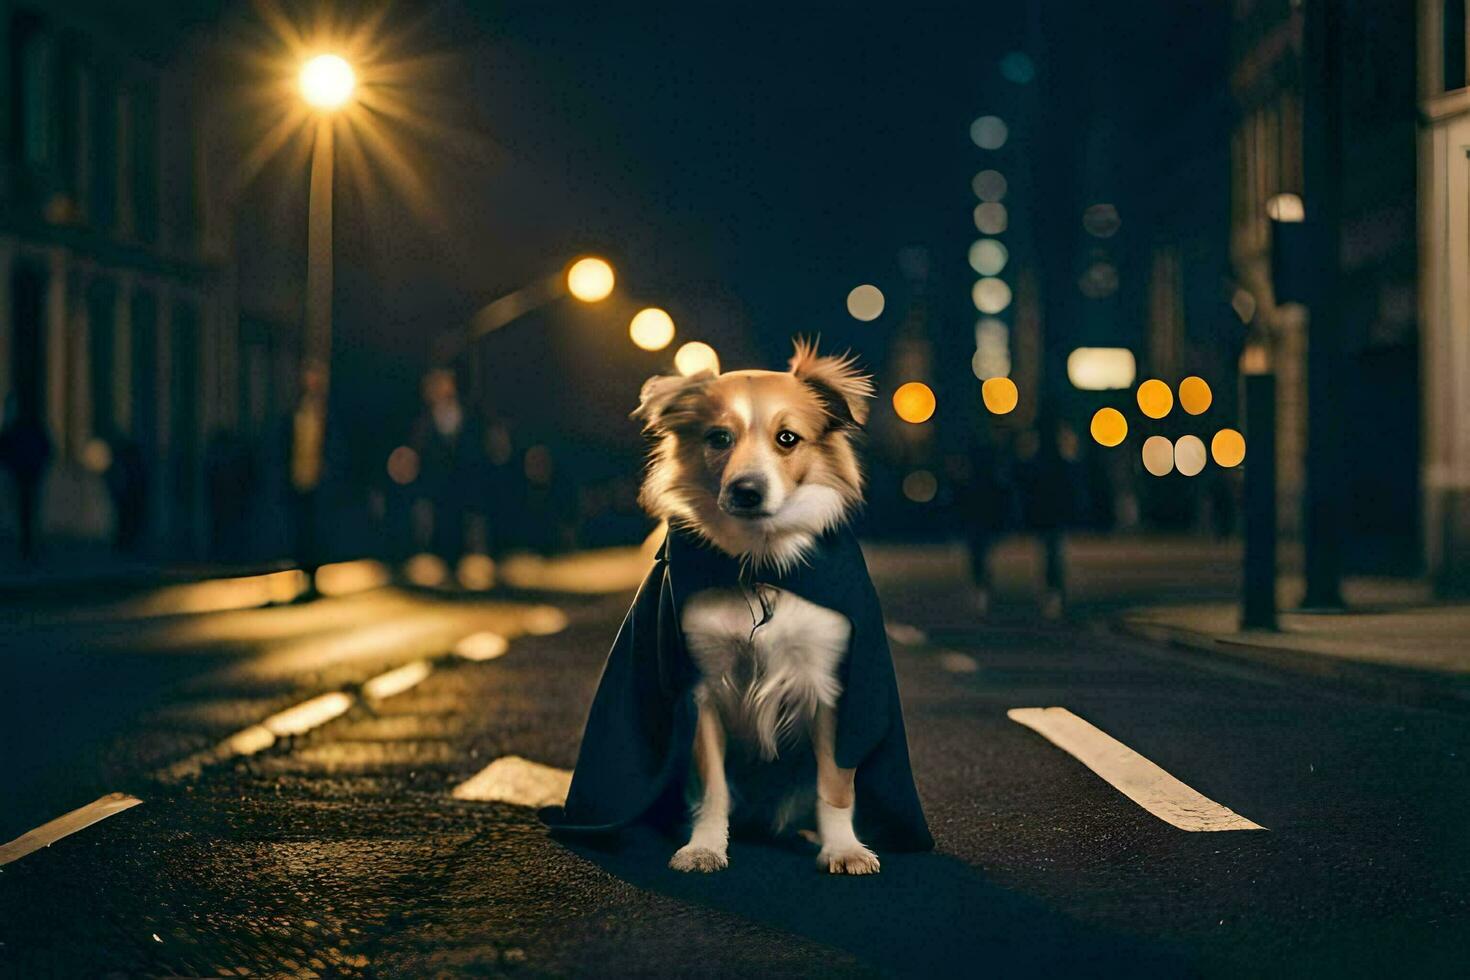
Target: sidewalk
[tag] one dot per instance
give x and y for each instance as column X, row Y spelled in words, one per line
column 1392, row 641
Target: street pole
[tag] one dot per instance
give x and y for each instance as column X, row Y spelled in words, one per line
column 318, row 341
column 1322, row 164
column 1258, row 593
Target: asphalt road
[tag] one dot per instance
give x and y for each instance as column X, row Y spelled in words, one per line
column 340, row 850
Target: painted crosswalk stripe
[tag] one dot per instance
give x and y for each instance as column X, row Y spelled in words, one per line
column 511, row 779
column 66, row 824
column 1130, row 773
column 397, row 680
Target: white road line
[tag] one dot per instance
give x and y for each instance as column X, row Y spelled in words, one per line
column 65, row 825
column 1130, row 773
column 511, row 779
column 397, row 680
column 302, row 718
column 484, row 645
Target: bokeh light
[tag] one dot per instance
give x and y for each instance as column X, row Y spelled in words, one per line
column 475, row 572
column 97, row 456
column 865, row 302
column 989, row 132
column 403, row 465
column 920, row 486
column 1189, row 455
column 1109, row 427
column 1101, row 220
column 914, row 402
column 651, row 329
column 989, row 185
column 1228, row 448
column 1155, row 399
column 327, row 81
column 426, row 570
column 991, row 218
column 1195, row 395
column 988, row 257
column 590, row 280
column 1000, row 395
column 1286, row 208
column 696, row 356
column 1101, row 368
column 1158, row 455
column 991, row 295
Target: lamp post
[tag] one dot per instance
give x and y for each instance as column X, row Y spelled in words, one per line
column 326, row 84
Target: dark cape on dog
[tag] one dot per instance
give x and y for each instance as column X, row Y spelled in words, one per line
column 636, row 749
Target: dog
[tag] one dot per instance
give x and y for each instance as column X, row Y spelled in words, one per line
column 762, row 465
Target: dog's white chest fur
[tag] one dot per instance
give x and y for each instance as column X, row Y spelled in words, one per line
column 766, row 681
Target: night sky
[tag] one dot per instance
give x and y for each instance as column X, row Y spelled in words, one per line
column 742, row 168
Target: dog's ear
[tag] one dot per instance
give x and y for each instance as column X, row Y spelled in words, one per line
column 668, row 399
column 842, row 388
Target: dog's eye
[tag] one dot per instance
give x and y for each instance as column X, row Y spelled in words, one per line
column 718, row 439
column 786, row 438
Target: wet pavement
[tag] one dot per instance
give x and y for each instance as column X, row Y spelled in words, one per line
column 338, row 847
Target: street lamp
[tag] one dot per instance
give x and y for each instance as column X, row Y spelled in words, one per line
column 326, row 83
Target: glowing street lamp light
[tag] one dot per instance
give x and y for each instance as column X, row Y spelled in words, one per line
column 327, row 82
column 590, row 280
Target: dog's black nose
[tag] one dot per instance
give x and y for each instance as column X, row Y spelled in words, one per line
column 746, row 492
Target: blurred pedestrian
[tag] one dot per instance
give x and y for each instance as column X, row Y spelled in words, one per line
column 127, row 486
column 229, row 474
column 306, row 442
column 25, row 452
column 1053, row 487
column 987, row 509
column 451, row 451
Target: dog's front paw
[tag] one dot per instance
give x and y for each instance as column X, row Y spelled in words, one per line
column 848, row 859
column 692, row 857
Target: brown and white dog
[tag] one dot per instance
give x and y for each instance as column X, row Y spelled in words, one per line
column 761, row 464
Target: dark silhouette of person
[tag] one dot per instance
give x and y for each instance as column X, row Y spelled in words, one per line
column 306, row 464
column 987, row 498
column 451, row 450
column 127, row 485
column 229, row 473
column 1053, row 485
column 25, row 452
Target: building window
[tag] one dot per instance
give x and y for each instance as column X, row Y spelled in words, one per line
column 1453, row 35
column 33, row 60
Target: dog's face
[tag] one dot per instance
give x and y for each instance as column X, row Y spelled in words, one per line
column 759, row 462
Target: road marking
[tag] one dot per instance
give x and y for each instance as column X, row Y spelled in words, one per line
column 397, row 680
column 511, row 779
column 543, row 620
column 909, row 636
column 958, row 663
column 295, row 720
column 302, row 718
column 66, row 824
column 481, row 646
column 1130, row 773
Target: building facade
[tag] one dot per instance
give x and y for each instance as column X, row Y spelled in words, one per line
column 1444, row 288
column 117, row 319
column 1377, row 260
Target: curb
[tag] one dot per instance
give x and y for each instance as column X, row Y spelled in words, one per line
column 1406, row 686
